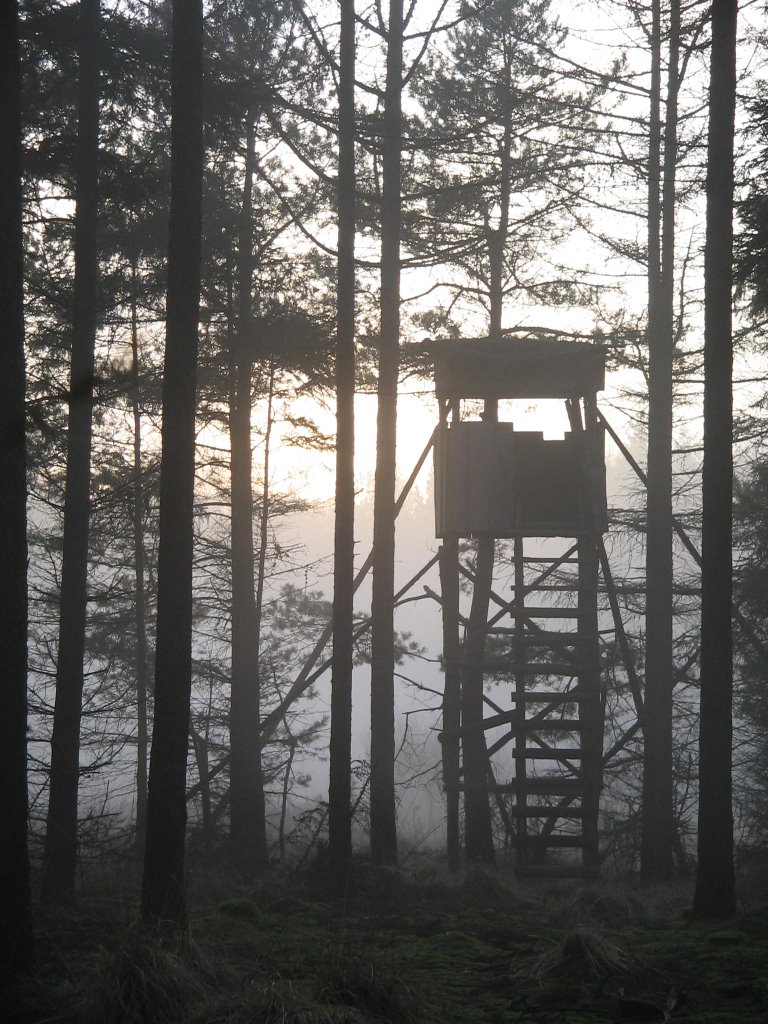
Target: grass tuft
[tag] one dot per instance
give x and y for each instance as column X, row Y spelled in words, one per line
column 582, row 955
column 147, row 980
column 610, row 906
column 369, row 987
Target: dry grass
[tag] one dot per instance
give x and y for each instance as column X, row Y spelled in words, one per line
column 147, row 980
column 368, row 987
column 582, row 956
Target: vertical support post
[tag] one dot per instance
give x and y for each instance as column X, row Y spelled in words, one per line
column 478, row 831
column 521, row 737
column 449, row 587
column 590, row 704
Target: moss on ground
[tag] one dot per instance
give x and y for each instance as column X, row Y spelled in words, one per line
column 477, row 952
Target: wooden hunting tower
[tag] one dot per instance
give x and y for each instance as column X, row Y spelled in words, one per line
column 537, row 650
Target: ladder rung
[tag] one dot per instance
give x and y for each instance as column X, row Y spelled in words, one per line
column 544, row 560
column 556, row 754
column 554, row 725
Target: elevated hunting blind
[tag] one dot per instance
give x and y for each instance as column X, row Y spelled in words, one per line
column 541, row 638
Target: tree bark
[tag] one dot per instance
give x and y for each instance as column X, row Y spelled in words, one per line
column 16, row 943
column 261, row 573
column 140, row 609
column 339, row 794
column 714, row 896
column 383, row 811
column 449, row 589
column 657, row 830
column 497, row 237
column 247, row 825
column 163, row 883
column 478, row 827
column 60, row 851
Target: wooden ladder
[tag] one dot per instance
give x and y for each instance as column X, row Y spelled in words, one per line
column 550, row 658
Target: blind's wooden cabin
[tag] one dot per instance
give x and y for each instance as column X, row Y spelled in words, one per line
column 494, row 480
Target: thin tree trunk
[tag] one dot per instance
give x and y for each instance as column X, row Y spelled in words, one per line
column 201, row 758
column 140, row 610
column 163, row 884
column 247, row 825
column 657, row 829
column 382, row 799
column 285, row 794
column 714, row 896
column 477, row 809
column 261, row 576
column 16, row 943
column 449, row 588
column 60, row 852
column 339, row 794
column 200, row 748
column 478, row 829
column 497, row 236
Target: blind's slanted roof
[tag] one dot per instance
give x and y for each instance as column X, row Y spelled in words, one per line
column 513, row 368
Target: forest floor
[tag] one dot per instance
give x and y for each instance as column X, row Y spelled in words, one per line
column 404, row 947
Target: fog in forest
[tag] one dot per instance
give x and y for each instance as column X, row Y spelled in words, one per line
column 383, row 527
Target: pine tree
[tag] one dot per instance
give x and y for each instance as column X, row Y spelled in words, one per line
column 383, row 810
column 715, row 894
column 339, row 796
column 60, row 856
column 16, row 942
column 163, row 896
column 657, row 807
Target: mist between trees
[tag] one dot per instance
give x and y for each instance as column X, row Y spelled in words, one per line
column 522, row 172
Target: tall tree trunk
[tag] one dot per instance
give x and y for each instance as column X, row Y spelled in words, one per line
column 284, row 797
column 478, row 828
column 247, row 825
column 477, row 809
column 339, row 794
column 657, row 836
column 16, row 947
column 163, row 884
column 140, row 608
column 261, row 575
column 497, row 236
column 382, row 799
column 60, row 852
column 200, row 749
column 714, row 895
column 449, row 589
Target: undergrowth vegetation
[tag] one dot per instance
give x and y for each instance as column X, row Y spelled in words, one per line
column 409, row 948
